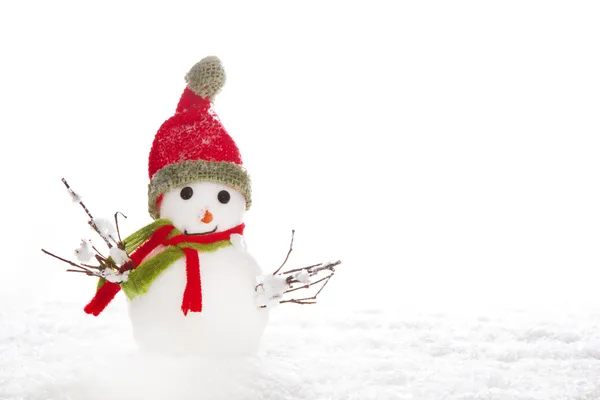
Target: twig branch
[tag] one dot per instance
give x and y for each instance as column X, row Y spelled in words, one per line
column 118, row 232
column 81, row 272
column 90, row 266
column 308, row 300
column 95, row 227
column 313, row 269
column 91, row 222
column 115, row 241
column 329, row 266
column 106, row 263
column 61, row 259
column 107, row 266
column 308, row 284
column 288, row 254
column 300, row 269
column 69, row 262
column 275, row 286
column 323, row 287
column 98, row 252
column 76, row 197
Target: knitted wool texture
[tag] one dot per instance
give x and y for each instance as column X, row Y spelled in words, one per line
column 207, row 77
column 143, row 242
column 193, row 145
column 141, row 278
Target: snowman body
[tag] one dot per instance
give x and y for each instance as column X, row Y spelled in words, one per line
column 230, row 322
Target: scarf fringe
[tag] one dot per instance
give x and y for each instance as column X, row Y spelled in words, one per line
column 103, row 296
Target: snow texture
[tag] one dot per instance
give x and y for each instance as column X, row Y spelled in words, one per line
column 74, row 196
column 115, row 276
column 238, row 242
column 51, row 350
column 270, row 289
column 84, row 252
column 105, row 227
column 302, row 276
column 119, row 256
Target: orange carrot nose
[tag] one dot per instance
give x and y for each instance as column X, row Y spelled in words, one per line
column 208, row 217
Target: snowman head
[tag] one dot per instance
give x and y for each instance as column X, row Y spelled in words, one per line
column 196, row 175
column 203, row 207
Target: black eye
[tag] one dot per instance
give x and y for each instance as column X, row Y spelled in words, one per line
column 186, row 193
column 224, row 196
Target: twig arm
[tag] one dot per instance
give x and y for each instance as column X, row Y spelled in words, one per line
column 80, row 267
column 288, row 253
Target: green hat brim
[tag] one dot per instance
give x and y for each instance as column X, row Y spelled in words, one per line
column 186, row 172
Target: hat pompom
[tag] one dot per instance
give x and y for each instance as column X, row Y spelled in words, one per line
column 206, row 78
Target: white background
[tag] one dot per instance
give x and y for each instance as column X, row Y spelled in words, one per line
column 447, row 152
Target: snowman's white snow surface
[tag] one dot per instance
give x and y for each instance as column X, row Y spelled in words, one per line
column 230, row 322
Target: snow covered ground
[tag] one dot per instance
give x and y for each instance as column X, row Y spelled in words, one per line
column 448, row 151
column 51, row 350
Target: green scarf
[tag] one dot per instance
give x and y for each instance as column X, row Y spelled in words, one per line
column 177, row 245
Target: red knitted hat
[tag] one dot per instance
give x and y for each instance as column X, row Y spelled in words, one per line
column 193, row 145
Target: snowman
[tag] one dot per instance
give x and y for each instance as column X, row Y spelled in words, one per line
column 191, row 289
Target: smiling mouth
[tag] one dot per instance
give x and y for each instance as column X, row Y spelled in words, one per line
column 203, row 233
